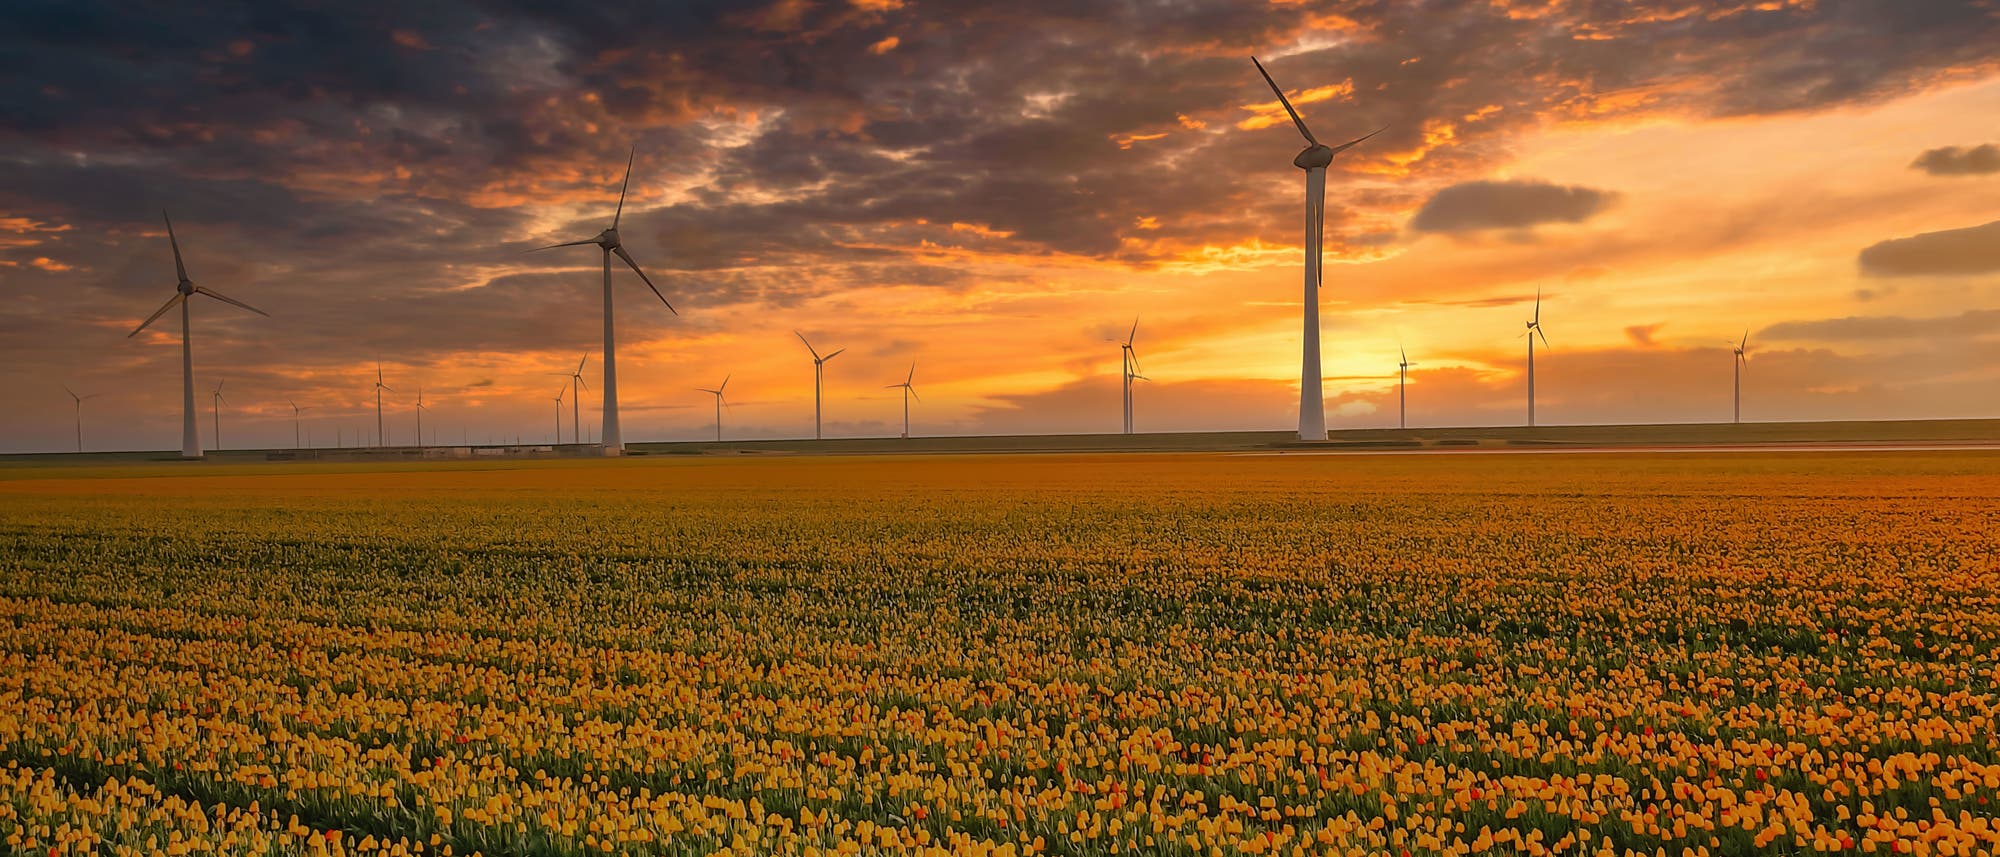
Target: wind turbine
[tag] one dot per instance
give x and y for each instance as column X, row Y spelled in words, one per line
column 215, row 403
column 380, row 438
column 79, row 413
column 908, row 393
column 420, row 416
column 575, row 414
column 296, row 410
column 1534, row 330
column 717, row 393
column 613, row 439
column 559, row 397
column 819, row 377
column 1742, row 357
column 1403, row 380
column 1314, row 160
column 1130, row 369
column 185, row 289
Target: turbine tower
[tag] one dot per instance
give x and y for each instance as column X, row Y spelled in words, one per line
column 1742, row 357
column 1314, row 160
column 717, row 393
column 1130, row 371
column 79, row 413
column 908, row 393
column 184, row 291
column 576, row 389
column 296, row 410
column 819, row 378
column 613, row 439
column 1534, row 330
column 215, row 403
column 1403, row 380
column 380, row 439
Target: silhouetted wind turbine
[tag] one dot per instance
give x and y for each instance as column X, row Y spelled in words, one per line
column 215, row 403
column 420, row 416
column 296, row 410
column 79, row 413
column 1534, row 330
column 380, row 438
column 614, row 439
column 819, row 378
column 559, row 399
column 908, row 393
column 717, row 393
column 1314, row 160
column 184, row 290
column 1130, row 371
column 1742, row 357
column 576, row 396
column 1403, row 380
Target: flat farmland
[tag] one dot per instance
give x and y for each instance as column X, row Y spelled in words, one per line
column 1185, row 654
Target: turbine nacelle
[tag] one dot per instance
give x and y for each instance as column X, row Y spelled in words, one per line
column 1314, row 157
column 185, row 287
column 607, row 239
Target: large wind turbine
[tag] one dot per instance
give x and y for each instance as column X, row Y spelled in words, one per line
column 1402, row 381
column 79, row 413
column 380, row 438
column 819, row 378
column 215, row 403
column 184, row 290
column 1534, row 330
column 613, row 439
column 908, row 393
column 1314, row 160
column 1130, row 370
column 717, row 393
column 559, row 397
column 1742, row 357
column 296, row 410
column 576, row 395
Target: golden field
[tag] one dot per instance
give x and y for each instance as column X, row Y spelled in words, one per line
column 1111, row 654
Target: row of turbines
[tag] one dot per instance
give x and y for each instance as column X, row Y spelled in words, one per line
column 1313, row 159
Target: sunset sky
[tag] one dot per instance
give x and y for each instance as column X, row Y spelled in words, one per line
column 992, row 190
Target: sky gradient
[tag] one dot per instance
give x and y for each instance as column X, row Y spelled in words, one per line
column 991, row 191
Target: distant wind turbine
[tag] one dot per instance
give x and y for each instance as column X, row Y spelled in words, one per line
column 1742, row 357
column 215, row 403
column 576, row 395
column 296, row 410
column 1403, row 380
column 819, row 378
column 1534, row 330
column 1314, row 160
column 1130, row 370
column 614, row 439
column 420, row 416
column 184, row 290
column 909, row 392
column 717, row 393
column 380, row 438
column 79, row 413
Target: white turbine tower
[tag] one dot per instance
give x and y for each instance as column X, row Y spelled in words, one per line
column 79, row 413
column 1742, row 357
column 614, row 439
column 296, row 410
column 908, row 392
column 1402, row 381
column 215, row 403
column 1314, row 160
column 559, row 400
column 184, row 291
column 819, row 378
column 1534, row 330
column 1130, row 369
column 380, row 438
column 717, row 393
column 576, row 395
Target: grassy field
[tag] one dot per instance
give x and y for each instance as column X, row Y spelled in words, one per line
column 1188, row 654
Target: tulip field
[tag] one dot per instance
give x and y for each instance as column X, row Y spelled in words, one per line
column 1171, row 654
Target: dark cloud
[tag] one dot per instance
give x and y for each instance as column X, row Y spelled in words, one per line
column 1971, row 323
column 1642, row 334
column 1482, row 205
column 1972, row 250
column 1959, row 160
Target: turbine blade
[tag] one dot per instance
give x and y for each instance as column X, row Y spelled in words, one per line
column 1538, row 305
column 913, row 392
column 725, row 384
column 1746, row 339
column 1356, row 141
column 809, row 345
column 579, row 363
column 1544, row 336
column 831, row 356
column 1287, row 102
column 179, row 268
column 72, row 393
column 1130, row 337
column 913, row 374
column 642, row 275
column 621, row 188
column 156, row 314
column 204, row 290
column 565, row 244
